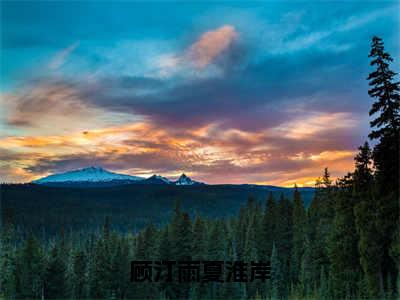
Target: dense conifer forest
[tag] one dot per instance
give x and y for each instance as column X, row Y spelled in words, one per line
column 344, row 245
column 45, row 209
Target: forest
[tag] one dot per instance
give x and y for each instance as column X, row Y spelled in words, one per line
column 344, row 245
column 46, row 209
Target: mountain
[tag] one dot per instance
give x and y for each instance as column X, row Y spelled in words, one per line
column 88, row 175
column 185, row 180
column 156, row 179
column 99, row 177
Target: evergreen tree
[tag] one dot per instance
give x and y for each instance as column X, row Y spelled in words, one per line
column 307, row 270
column 323, row 290
column 165, row 253
column 320, row 215
column 120, row 269
column 55, row 277
column 284, row 238
column 31, row 269
column 251, row 244
column 199, row 239
column 184, row 238
column 268, row 227
column 299, row 232
column 215, row 243
column 8, row 273
column 79, row 274
column 386, row 154
column 386, row 91
column 181, row 240
column 97, row 283
column 343, row 243
column 370, row 246
column 363, row 177
column 366, row 222
column 277, row 280
column 240, row 234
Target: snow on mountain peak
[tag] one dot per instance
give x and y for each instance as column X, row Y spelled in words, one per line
column 159, row 178
column 89, row 174
column 95, row 174
column 185, row 180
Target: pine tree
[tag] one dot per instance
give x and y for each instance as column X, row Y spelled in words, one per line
column 164, row 247
column 165, row 253
column 385, row 90
column 320, row 216
column 370, row 246
column 268, row 228
column 150, row 235
column 277, row 280
column 284, row 238
column 8, row 273
column 55, row 277
column 343, row 242
column 240, row 234
column 363, row 172
column 366, row 221
column 31, row 269
column 184, row 238
column 324, row 285
column 181, row 246
column 78, row 274
column 251, row 242
column 96, row 270
column 307, row 269
column 199, row 239
column 299, row 227
column 395, row 252
column 120, row 268
column 386, row 153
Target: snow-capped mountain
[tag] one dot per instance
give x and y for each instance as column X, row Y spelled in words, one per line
column 97, row 176
column 90, row 174
column 156, row 179
column 185, row 180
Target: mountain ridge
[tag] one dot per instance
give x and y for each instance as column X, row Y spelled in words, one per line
column 93, row 177
column 89, row 174
column 98, row 176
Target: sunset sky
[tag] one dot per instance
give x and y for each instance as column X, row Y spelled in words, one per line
column 241, row 92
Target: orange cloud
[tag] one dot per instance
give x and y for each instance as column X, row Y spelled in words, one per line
column 211, row 44
column 38, row 107
column 314, row 123
column 202, row 53
column 208, row 153
column 333, row 155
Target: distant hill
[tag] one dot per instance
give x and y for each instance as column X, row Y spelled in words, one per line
column 46, row 209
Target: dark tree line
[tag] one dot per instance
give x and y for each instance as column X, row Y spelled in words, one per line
column 345, row 245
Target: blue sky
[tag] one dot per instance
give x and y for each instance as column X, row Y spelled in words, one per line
column 271, row 91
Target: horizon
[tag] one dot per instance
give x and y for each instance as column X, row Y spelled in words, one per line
column 227, row 93
column 172, row 179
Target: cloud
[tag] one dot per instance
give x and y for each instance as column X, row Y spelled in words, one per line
column 61, row 57
column 208, row 153
column 209, row 56
column 313, row 123
column 54, row 105
column 357, row 21
column 325, row 38
column 43, row 99
column 211, row 44
column 277, row 115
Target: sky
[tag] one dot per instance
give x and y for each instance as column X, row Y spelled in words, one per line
column 226, row 92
